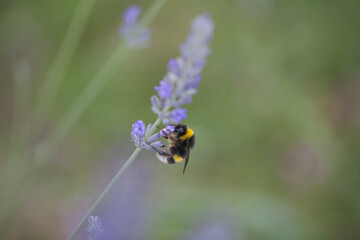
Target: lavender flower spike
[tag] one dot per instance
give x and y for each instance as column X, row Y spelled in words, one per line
column 95, row 228
column 134, row 35
column 184, row 73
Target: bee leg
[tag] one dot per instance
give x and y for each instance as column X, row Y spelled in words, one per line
column 158, row 151
column 166, row 135
column 153, row 148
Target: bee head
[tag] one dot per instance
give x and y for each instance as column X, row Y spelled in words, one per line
column 180, row 129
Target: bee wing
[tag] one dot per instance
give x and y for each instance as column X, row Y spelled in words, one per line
column 187, row 157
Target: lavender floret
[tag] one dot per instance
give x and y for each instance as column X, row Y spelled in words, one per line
column 175, row 116
column 95, row 228
column 134, row 34
column 184, row 73
column 138, row 134
column 165, row 89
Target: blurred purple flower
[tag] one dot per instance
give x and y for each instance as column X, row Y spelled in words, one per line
column 127, row 207
column 175, row 116
column 131, row 15
column 213, row 230
column 184, row 73
column 95, row 228
column 134, row 34
column 164, row 91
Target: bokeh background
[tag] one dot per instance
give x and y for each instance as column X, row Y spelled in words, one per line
column 277, row 123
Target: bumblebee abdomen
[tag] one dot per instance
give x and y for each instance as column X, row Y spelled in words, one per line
column 179, row 150
column 170, row 160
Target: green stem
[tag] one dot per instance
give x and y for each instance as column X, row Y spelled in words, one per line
column 151, row 13
column 62, row 60
column 106, row 190
column 112, row 182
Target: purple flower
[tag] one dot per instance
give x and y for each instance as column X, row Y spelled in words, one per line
column 167, row 130
column 153, row 139
column 95, row 228
column 184, row 73
column 179, row 84
column 174, row 67
column 165, row 90
column 175, row 116
column 138, row 133
column 139, row 127
column 179, row 114
column 131, row 15
column 212, row 230
column 134, row 34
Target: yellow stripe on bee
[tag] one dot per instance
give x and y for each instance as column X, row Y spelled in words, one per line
column 189, row 134
column 177, row 158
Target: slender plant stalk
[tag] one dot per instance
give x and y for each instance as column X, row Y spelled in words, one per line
column 112, row 182
column 106, row 190
column 151, row 13
column 48, row 92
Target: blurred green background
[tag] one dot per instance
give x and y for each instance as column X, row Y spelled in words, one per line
column 277, row 123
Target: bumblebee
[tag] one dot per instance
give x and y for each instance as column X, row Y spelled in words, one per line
column 181, row 140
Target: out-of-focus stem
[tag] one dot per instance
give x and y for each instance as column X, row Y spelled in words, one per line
column 48, row 92
column 112, row 182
